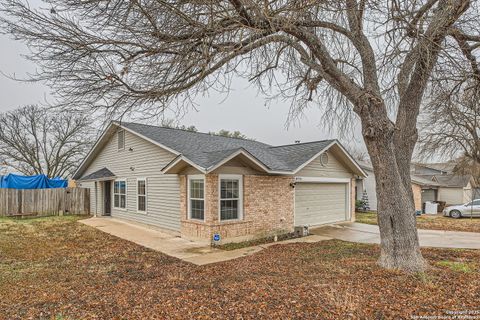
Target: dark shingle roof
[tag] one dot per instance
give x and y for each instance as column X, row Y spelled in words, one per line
column 450, row 180
column 442, row 166
column 99, row 174
column 295, row 155
column 423, row 181
column 207, row 150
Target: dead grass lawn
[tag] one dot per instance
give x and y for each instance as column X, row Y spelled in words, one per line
column 57, row 268
column 430, row 222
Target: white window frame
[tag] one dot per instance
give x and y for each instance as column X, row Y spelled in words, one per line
column 189, row 206
column 138, row 195
column 120, row 131
column 126, row 192
column 240, row 195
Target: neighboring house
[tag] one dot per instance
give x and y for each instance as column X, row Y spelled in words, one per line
column 451, row 188
column 455, row 189
column 200, row 184
column 432, row 168
column 433, row 182
column 368, row 184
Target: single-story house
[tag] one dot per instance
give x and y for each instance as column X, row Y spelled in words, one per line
column 451, row 188
column 201, row 184
column 368, row 185
column 428, row 184
column 431, row 169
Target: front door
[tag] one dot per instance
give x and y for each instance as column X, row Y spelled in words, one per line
column 107, row 197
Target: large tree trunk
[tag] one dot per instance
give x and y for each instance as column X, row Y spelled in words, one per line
column 399, row 244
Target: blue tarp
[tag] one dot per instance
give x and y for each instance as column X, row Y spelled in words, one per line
column 41, row 181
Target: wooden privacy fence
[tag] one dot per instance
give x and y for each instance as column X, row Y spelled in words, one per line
column 44, row 202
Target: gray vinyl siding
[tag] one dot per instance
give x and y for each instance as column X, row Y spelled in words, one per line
column 333, row 169
column 145, row 160
column 96, row 197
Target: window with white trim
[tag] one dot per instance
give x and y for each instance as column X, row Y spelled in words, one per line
column 196, row 197
column 120, row 194
column 230, row 197
column 121, row 139
column 142, row 195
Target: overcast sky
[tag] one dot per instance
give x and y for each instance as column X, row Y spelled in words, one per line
column 243, row 110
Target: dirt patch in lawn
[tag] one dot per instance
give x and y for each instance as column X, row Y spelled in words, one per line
column 430, row 222
column 60, row 268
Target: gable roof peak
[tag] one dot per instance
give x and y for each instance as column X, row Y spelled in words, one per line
column 204, row 150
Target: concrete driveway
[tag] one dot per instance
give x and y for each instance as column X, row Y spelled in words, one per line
column 366, row 233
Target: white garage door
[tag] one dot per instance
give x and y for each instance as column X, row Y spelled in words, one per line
column 320, row 203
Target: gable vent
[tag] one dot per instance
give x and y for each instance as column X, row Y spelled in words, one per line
column 121, row 139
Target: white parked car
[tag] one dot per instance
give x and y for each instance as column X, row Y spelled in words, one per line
column 470, row 209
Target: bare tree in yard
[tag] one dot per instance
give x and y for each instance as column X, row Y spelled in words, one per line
column 172, row 123
column 34, row 140
column 373, row 57
column 452, row 130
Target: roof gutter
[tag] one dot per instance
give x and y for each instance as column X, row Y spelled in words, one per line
column 98, row 179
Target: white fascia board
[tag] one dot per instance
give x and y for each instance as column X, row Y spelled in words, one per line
column 186, row 160
column 233, row 155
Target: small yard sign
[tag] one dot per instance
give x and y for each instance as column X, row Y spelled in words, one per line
column 216, row 237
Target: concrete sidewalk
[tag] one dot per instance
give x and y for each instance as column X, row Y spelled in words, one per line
column 170, row 243
column 164, row 241
column 366, row 233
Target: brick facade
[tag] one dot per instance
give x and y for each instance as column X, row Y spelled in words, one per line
column 268, row 205
column 417, row 196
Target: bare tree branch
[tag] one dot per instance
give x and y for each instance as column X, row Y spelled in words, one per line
column 35, row 140
column 374, row 60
